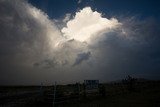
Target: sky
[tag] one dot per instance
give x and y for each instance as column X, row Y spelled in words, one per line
column 68, row 41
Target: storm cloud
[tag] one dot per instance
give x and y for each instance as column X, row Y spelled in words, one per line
column 33, row 49
column 81, row 57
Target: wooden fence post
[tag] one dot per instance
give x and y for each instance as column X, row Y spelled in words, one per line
column 54, row 94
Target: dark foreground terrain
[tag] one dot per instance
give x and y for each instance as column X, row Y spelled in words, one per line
column 138, row 94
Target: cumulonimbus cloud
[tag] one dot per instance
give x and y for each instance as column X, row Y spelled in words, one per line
column 87, row 23
column 31, row 41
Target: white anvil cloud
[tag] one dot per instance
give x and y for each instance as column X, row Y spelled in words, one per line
column 88, row 23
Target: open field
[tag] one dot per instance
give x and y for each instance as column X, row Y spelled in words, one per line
column 143, row 94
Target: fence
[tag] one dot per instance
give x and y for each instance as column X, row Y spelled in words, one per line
column 60, row 94
column 52, row 95
column 74, row 92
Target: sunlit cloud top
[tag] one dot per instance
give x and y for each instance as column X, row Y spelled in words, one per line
column 88, row 23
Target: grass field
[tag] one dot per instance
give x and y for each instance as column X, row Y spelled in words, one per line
column 144, row 94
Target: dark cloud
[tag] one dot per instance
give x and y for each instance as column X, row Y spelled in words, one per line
column 133, row 51
column 49, row 63
column 82, row 57
column 46, row 64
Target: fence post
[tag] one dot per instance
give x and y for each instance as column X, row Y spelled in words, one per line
column 79, row 91
column 54, row 94
column 41, row 88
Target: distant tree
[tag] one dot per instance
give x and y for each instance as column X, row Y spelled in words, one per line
column 130, row 82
